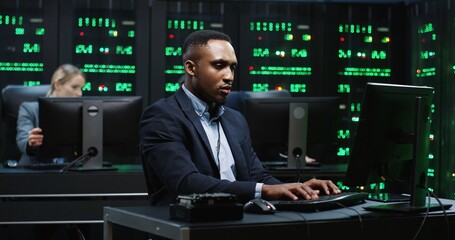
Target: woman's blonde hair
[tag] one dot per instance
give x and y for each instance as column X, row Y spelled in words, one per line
column 63, row 74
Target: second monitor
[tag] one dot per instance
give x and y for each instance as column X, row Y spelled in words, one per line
column 97, row 127
column 277, row 132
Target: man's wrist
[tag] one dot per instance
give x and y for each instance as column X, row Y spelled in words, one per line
column 258, row 190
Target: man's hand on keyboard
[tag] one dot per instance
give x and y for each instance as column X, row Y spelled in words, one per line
column 307, row 190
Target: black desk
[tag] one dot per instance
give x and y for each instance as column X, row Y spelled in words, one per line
column 39, row 197
column 333, row 224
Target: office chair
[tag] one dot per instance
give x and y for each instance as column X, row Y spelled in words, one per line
column 11, row 98
column 236, row 99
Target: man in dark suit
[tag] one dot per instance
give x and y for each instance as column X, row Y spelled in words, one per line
column 190, row 143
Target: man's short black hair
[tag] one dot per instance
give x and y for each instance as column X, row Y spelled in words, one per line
column 200, row 38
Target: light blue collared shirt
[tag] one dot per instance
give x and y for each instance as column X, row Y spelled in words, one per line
column 218, row 141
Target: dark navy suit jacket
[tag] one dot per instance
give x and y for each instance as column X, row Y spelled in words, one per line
column 177, row 157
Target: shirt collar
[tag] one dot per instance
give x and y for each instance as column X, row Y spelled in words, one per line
column 201, row 108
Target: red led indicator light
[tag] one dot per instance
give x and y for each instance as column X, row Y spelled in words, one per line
column 102, row 88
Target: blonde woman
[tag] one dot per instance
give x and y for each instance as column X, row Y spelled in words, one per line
column 67, row 81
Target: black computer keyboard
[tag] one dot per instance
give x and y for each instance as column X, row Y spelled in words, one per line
column 324, row 202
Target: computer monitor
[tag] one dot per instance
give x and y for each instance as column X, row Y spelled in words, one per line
column 391, row 144
column 276, row 130
column 100, row 128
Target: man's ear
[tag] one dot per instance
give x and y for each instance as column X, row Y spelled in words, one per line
column 190, row 67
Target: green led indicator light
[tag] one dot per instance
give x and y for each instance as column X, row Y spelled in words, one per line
column 175, row 70
column 378, row 55
column 368, row 39
column 297, row 88
column 87, row 87
column 343, row 134
column 113, row 33
column 344, row 88
column 109, row 68
column 344, row 54
column 11, row 20
column 355, row 119
column 426, row 28
column 39, row 31
column 185, row 25
column 261, row 52
column 172, row 87
column 306, row 37
column 20, row 31
column 83, row 49
column 343, row 152
column 355, row 107
column 32, row 83
column 271, row 26
column 354, row 28
column 124, row 50
column 427, row 54
column 433, row 37
column 370, row 72
column 21, row 67
column 31, row 48
column 299, row 53
column 123, row 87
column 260, row 87
column 385, row 40
column 96, row 22
column 282, row 71
column 173, row 51
column 288, row 37
column 131, row 34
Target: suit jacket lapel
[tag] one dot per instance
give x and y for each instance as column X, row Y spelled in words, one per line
column 187, row 108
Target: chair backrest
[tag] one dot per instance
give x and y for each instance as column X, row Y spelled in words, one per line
column 11, row 98
column 236, row 99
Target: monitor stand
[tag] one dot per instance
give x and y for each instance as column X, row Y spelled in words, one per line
column 297, row 135
column 92, row 137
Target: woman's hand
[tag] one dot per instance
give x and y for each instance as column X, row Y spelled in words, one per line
column 35, row 137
